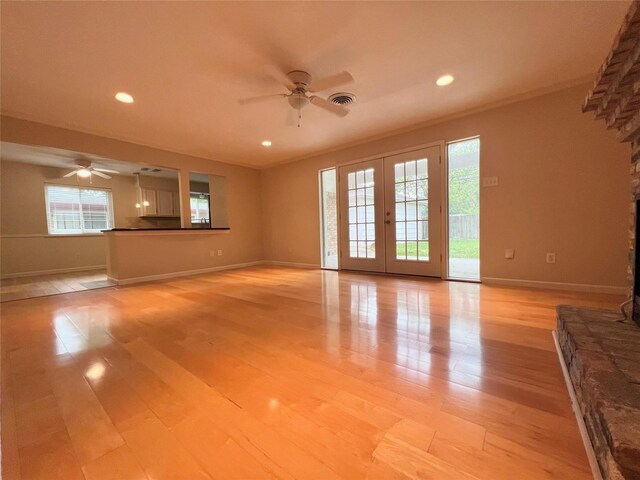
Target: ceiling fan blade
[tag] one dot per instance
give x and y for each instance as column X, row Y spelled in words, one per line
column 279, row 76
column 261, row 98
column 329, row 107
column 332, row 81
column 106, row 170
column 70, row 174
column 100, row 174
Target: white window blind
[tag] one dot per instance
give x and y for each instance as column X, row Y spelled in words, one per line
column 73, row 210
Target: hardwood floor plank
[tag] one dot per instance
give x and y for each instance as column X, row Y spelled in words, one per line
column 118, row 464
column 9, row 439
column 217, row 452
column 37, row 420
column 52, row 458
column 159, row 452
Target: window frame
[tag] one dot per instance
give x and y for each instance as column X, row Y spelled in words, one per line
column 82, row 231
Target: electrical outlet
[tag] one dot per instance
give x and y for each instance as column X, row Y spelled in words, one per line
column 509, row 253
column 219, row 253
column 551, row 258
column 490, row 181
column 212, row 253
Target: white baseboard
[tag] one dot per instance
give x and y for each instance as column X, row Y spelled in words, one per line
column 291, row 264
column 183, row 273
column 573, row 287
column 54, row 271
column 582, row 427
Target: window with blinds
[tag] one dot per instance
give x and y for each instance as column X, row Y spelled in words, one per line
column 199, row 207
column 76, row 210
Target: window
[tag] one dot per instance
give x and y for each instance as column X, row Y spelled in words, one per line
column 75, row 210
column 329, row 218
column 199, row 207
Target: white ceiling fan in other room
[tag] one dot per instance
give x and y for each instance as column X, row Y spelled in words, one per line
column 300, row 85
column 85, row 169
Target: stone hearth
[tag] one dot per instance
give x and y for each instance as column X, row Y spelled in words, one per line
column 602, row 355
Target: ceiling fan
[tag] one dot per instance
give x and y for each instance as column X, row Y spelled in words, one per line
column 300, row 84
column 85, row 169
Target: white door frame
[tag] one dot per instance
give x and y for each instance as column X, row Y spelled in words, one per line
column 443, row 194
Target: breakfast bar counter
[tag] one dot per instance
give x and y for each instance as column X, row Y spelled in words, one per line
column 138, row 255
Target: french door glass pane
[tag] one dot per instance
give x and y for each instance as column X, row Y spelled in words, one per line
column 412, row 211
column 361, row 214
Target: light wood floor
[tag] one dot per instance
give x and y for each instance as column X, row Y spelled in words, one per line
column 291, row 374
column 53, row 284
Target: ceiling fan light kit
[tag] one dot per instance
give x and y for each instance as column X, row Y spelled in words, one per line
column 300, row 84
column 85, row 169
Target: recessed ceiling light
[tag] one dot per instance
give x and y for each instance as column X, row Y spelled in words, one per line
column 444, row 80
column 124, row 97
column 266, row 143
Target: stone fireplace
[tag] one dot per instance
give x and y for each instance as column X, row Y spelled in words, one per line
column 601, row 349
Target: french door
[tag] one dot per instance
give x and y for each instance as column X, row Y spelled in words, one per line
column 362, row 216
column 390, row 214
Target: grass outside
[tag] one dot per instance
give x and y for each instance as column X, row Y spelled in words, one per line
column 464, row 248
column 457, row 249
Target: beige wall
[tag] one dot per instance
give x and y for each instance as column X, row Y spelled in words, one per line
column 159, row 183
column 563, row 188
column 242, row 244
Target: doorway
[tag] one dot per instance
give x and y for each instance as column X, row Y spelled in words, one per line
column 463, row 187
column 390, row 214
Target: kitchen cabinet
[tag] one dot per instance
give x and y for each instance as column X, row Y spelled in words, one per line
column 149, row 203
column 159, row 203
column 165, row 203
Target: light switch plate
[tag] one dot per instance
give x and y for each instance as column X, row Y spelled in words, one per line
column 489, row 181
column 551, row 258
column 509, row 253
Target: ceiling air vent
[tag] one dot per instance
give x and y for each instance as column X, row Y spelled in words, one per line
column 342, row 98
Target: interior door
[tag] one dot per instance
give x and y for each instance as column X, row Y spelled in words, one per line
column 412, row 212
column 362, row 216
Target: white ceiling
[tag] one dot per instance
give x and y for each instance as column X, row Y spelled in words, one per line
column 187, row 64
column 65, row 159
